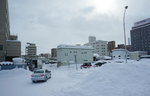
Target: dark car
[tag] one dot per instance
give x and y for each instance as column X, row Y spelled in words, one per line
column 98, row 64
column 86, row 65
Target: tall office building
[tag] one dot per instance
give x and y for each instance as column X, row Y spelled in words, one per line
column 140, row 35
column 31, row 51
column 10, row 47
column 4, row 28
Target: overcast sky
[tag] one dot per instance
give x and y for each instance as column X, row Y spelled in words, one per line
column 49, row 23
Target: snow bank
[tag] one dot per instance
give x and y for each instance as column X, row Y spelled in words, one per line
column 115, row 80
column 112, row 79
column 6, row 63
column 19, row 61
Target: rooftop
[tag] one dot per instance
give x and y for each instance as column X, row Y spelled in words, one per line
column 75, row 46
column 142, row 22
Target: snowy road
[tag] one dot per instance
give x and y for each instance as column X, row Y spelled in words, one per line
column 18, row 82
column 132, row 79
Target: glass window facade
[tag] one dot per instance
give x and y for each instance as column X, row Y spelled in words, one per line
column 140, row 38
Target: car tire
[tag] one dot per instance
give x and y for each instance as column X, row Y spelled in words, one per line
column 34, row 81
column 46, row 79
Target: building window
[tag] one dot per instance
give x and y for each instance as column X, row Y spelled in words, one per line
column 75, row 51
column 1, row 47
column 66, row 54
column 85, row 52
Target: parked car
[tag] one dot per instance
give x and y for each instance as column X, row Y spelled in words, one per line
column 41, row 75
column 86, row 65
column 98, row 64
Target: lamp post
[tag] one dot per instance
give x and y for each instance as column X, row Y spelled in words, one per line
column 126, row 7
column 75, row 57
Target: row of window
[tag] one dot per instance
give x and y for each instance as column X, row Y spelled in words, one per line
column 1, row 47
column 73, row 51
column 66, row 54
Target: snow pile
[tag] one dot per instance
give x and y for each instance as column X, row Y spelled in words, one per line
column 95, row 55
column 18, row 61
column 115, row 80
column 6, row 63
column 112, row 79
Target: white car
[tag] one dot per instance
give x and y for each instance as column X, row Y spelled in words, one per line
column 41, row 75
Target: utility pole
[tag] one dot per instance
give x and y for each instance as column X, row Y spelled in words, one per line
column 126, row 7
column 75, row 58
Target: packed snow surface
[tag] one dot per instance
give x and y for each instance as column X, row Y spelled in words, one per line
column 111, row 79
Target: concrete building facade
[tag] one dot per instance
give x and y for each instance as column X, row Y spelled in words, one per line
column 4, row 28
column 31, row 51
column 136, row 55
column 100, row 47
column 92, row 39
column 7, row 45
column 140, row 35
column 13, row 49
column 111, row 46
column 74, row 54
column 54, row 53
column 120, row 55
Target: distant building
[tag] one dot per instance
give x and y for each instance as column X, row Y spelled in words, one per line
column 100, row 47
column 136, row 55
column 13, row 37
column 54, row 53
column 120, row 46
column 120, row 55
column 140, row 35
column 8, row 48
column 45, row 55
column 111, row 46
column 74, row 54
column 31, row 50
column 92, row 39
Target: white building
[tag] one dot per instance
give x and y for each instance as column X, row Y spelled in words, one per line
column 120, row 54
column 74, row 54
column 100, row 47
column 136, row 55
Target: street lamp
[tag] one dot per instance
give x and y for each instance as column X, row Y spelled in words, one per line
column 126, row 7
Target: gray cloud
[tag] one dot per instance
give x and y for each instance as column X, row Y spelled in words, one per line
column 49, row 23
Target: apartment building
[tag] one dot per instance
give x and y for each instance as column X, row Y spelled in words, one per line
column 100, row 46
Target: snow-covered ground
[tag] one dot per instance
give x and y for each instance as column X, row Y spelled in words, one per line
column 111, row 79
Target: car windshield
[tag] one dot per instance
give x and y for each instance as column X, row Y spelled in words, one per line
column 39, row 71
column 86, row 64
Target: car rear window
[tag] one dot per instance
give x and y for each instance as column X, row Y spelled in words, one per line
column 87, row 64
column 39, row 71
